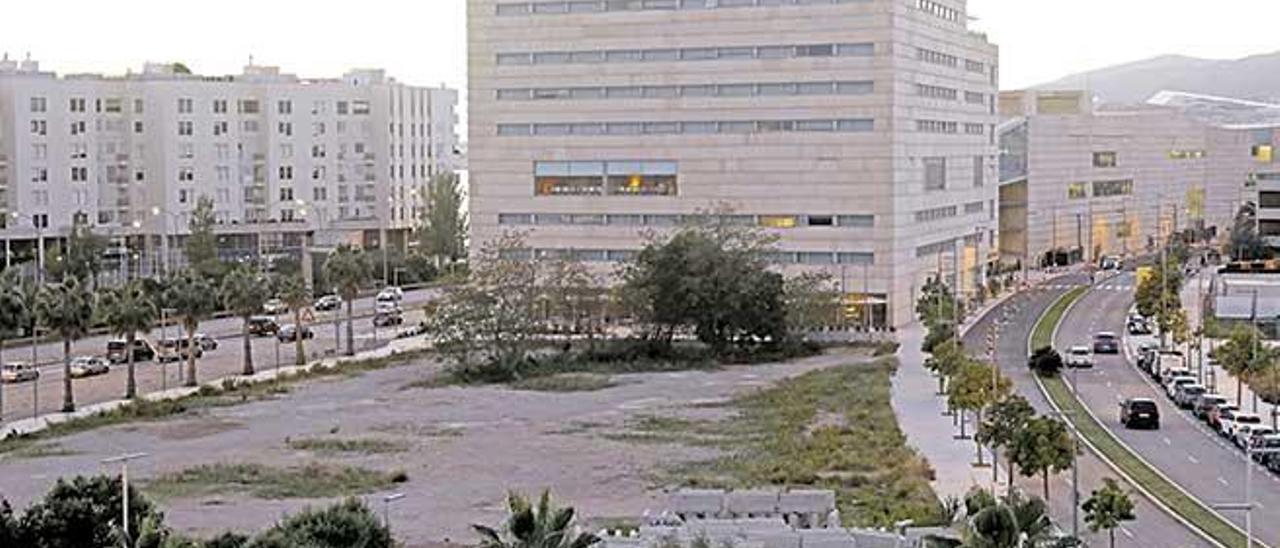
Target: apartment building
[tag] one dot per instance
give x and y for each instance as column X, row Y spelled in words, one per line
column 282, row 158
column 861, row 132
column 1086, row 182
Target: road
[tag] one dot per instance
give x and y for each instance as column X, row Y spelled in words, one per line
column 1016, row 317
column 21, row 400
column 1183, row 449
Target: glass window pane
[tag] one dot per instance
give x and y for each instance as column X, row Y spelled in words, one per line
column 550, row 7
column 774, row 52
column 698, row 91
column 777, row 89
column 737, row 53
column 698, row 127
column 662, row 128
column 735, row 90
column 661, row 91
column 698, row 54
column 550, row 58
column 551, row 168
column 623, row 56
column 855, row 125
column 814, row 88
column 737, row 127
column 857, row 50
column 662, row 55
column 588, row 129
column 586, row 168
column 624, row 128
column 587, row 57
column 627, row 91
column 587, row 93
column 513, row 58
column 854, row 88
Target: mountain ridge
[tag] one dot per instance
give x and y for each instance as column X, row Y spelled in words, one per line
column 1255, row 77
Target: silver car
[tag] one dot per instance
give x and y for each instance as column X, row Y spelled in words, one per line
column 88, row 366
column 18, row 372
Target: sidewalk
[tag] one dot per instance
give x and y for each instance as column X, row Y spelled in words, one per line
column 42, row 422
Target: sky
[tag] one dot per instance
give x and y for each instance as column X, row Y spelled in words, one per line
column 423, row 42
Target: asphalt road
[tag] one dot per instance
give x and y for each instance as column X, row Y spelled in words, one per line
column 1185, row 450
column 21, row 400
column 1016, row 317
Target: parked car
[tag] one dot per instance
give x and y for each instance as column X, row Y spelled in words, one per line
column 328, row 302
column 1079, row 356
column 172, row 350
column 1220, row 412
column 1140, row 413
column 142, row 351
column 1147, row 356
column 1174, row 381
column 16, row 372
column 262, row 326
column 1246, row 433
column 387, row 319
column 386, row 307
column 1106, row 342
column 1268, row 442
column 1111, row 262
column 274, row 307
column 1238, row 419
column 289, row 333
column 1138, row 325
column 205, row 342
column 1205, row 404
column 1185, row 396
column 1169, row 363
column 88, row 366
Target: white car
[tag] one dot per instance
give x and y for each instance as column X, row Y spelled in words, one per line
column 386, row 307
column 1245, row 433
column 391, row 293
column 18, row 372
column 1176, row 383
column 88, row 366
column 1238, row 419
column 274, row 307
column 1079, row 356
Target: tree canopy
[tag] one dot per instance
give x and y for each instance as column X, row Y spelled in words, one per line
column 444, row 222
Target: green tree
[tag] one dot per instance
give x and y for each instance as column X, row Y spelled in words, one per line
column 1242, row 355
column 444, row 222
column 540, row 526
column 66, row 308
column 1158, row 295
column 711, row 276
column 945, row 361
column 243, row 291
column 347, row 270
column 193, row 298
column 10, row 529
column 1011, row 522
column 295, row 294
column 484, row 326
column 82, row 513
column 1245, row 244
column 82, row 257
column 127, row 311
column 1108, row 508
column 14, row 313
column 812, row 302
column 976, row 385
column 1046, row 362
column 202, row 243
column 349, row 524
column 1042, row 447
column 1002, row 423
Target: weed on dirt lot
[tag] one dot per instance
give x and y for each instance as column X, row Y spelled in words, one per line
column 308, row 481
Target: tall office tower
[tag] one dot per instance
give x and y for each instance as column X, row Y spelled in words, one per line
column 860, row 131
column 281, row 157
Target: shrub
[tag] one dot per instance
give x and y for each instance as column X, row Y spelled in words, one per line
column 1046, row 362
column 349, row 524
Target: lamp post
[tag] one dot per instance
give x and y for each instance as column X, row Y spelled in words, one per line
column 124, row 484
column 1248, row 504
column 157, row 211
column 13, row 215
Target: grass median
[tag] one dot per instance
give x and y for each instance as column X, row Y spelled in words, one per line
column 1120, row 455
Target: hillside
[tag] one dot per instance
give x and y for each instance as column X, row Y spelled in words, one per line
column 1256, row 77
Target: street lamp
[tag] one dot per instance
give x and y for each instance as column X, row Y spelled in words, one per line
column 124, row 482
column 13, row 215
column 1075, row 468
column 1248, row 504
column 157, row 211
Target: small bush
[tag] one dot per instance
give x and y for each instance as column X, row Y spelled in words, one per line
column 1046, row 362
column 566, row 382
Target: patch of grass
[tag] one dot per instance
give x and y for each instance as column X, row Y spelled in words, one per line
column 420, row 430
column 1114, row 450
column 232, row 392
column 41, row 450
column 363, row 446
column 778, row 437
column 266, row 482
column 567, row 382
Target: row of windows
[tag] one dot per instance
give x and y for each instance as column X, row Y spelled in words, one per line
column 936, row 92
column 939, row 10
column 686, row 54
column 862, row 87
column 813, row 258
column 936, row 126
column 936, row 214
column 935, row 172
column 856, row 125
column 612, row 178
column 1121, row 187
column 1186, row 154
column 937, row 57
column 667, row 220
column 600, row 6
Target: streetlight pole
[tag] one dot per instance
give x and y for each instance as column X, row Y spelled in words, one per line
column 1248, row 504
column 124, row 482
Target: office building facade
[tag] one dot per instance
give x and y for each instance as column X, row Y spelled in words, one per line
column 860, row 132
column 282, row 158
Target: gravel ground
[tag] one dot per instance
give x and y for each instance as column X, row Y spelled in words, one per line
column 467, row 446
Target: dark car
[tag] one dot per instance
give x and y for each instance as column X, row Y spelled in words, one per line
column 328, row 302
column 142, row 351
column 289, row 333
column 1147, row 353
column 263, row 326
column 387, row 319
column 1140, row 413
column 1138, row 326
column 1106, row 342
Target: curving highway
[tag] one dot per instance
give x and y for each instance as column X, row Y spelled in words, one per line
column 1185, row 450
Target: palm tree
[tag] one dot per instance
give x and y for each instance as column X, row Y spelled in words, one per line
column 347, row 269
column 1011, row 522
column 13, row 313
column 296, row 295
column 67, row 309
column 243, row 291
column 192, row 298
column 127, row 311
column 543, row 526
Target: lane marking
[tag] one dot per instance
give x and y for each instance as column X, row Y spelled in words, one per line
column 1167, row 441
column 1224, row 483
column 1193, row 459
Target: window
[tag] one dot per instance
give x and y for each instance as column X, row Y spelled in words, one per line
column 935, row 92
column 249, row 106
column 936, row 126
column 285, row 128
column 778, row 221
column 39, row 104
column 219, row 106
column 185, row 105
column 137, row 106
column 937, row 57
column 39, row 127
column 693, row 127
column 39, row 175
column 1102, row 189
column 622, row 178
column 39, row 151
column 186, row 174
column 975, row 98
column 1077, row 191
column 972, row 208
column 286, row 194
column 284, row 107
column 1261, row 153
column 318, row 151
column 975, row 66
column 79, row 128
column 286, row 173
column 137, row 126
column 79, row 174
column 220, row 127
column 855, row 221
column 1104, row 159
column 77, row 104
column 360, row 108
column 935, row 173
column 185, row 128
column 186, row 151
column 979, row 171
column 286, row 150
column 935, row 214
column 320, row 194
column 1269, row 200
column 343, row 108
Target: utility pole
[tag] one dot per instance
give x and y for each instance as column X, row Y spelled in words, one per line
column 124, row 484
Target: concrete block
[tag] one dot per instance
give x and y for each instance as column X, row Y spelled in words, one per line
column 694, row 502
column 810, row 501
column 751, row 503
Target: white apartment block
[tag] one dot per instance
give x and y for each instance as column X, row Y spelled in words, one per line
column 283, row 158
column 861, row 132
column 1089, row 182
